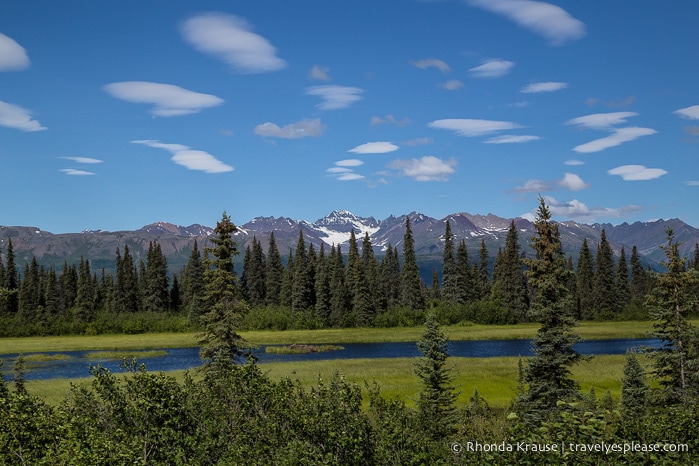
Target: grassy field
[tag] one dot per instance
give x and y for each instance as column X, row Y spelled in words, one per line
column 495, row 378
column 587, row 330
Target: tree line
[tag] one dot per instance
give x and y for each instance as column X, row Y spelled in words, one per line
column 328, row 287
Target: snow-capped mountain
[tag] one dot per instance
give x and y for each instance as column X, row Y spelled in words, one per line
column 335, row 229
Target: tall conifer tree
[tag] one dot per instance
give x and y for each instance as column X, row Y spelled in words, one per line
column 411, row 284
column 450, row 278
column 585, row 282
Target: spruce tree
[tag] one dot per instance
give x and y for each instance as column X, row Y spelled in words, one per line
column 605, row 300
column 220, row 341
column 450, row 292
column 156, row 296
column 11, row 281
column 371, row 272
column 483, row 276
column 548, row 373
column 322, row 287
column 390, row 277
column 464, row 275
column 84, row 301
column 437, row 399
column 675, row 362
column 193, row 285
column 302, row 286
column 622, row 287
column 634, row 390
column 639, row 277
column 274, row 271
column 510, row 288
column 411, row 283
column 339, row 294
column 585, row 282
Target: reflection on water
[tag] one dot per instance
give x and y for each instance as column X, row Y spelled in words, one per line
column 76, row 364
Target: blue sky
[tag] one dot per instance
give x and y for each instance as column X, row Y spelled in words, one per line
column 114, row 115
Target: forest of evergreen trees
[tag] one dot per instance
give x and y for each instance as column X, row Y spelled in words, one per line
column 316, row 288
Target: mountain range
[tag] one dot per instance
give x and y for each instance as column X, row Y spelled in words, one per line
column 176, row 241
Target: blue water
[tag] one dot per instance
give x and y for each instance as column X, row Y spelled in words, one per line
column 187, row 358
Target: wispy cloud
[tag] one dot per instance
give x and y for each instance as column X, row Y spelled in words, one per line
column 389, row 119
column 167, row 99
column 87, row 160
column 230, row 38
column 570, row 181
column 189, row 158
column 574, row 163
column 335, row 97
column 321, row 73
column 452, row 85
column 691, row 113
column 432, row 63
column 473, row 127
column 607, row 122
column 380, row 147
column 74, row 172
column 342, row 172
column 427, row 168
column 14, row 116
column 535, row 88
column 300, row 129
column 349, row 163
column 637, row 172
column 13, row 57
column 511, row 139
column 603, row 121
column 492, row 69
column 549, row 21
column 577, row 210
column 692, row 183
column 619, row 136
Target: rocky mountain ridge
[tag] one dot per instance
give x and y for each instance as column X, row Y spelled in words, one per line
column 176, row 241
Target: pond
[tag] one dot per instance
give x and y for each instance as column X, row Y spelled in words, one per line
column 74, row 364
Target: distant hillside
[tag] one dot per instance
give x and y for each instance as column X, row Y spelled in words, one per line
column 176, row 241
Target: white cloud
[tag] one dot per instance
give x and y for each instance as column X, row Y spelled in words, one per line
column 349, row 163
column 619, row 136
column 473, row 127
column 335, row 97
column 574, row 163
column 511, row 139
column 532, row 186
column 374, row 148
column 339, row 170
column 432, row 63
column 350, row 177
column 692, row 183
column 189, row 158
column 231, row 39
column 389, row 119
column 577, row 210
column 13, row 57
column 603, row 121
column 573, row 182
column 637, row 172
column 492, row 69
column 87, row 160
column 545, row 19
column 535, row 88
column 452, row 85
column 321, row 73
column 14, row 116
column 74, row 172
column 427, row 168
column 167, row 99
column 688, row 112
column 300, row 129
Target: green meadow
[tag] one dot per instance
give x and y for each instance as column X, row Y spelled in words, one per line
column 495, row 378
column 147, row 341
